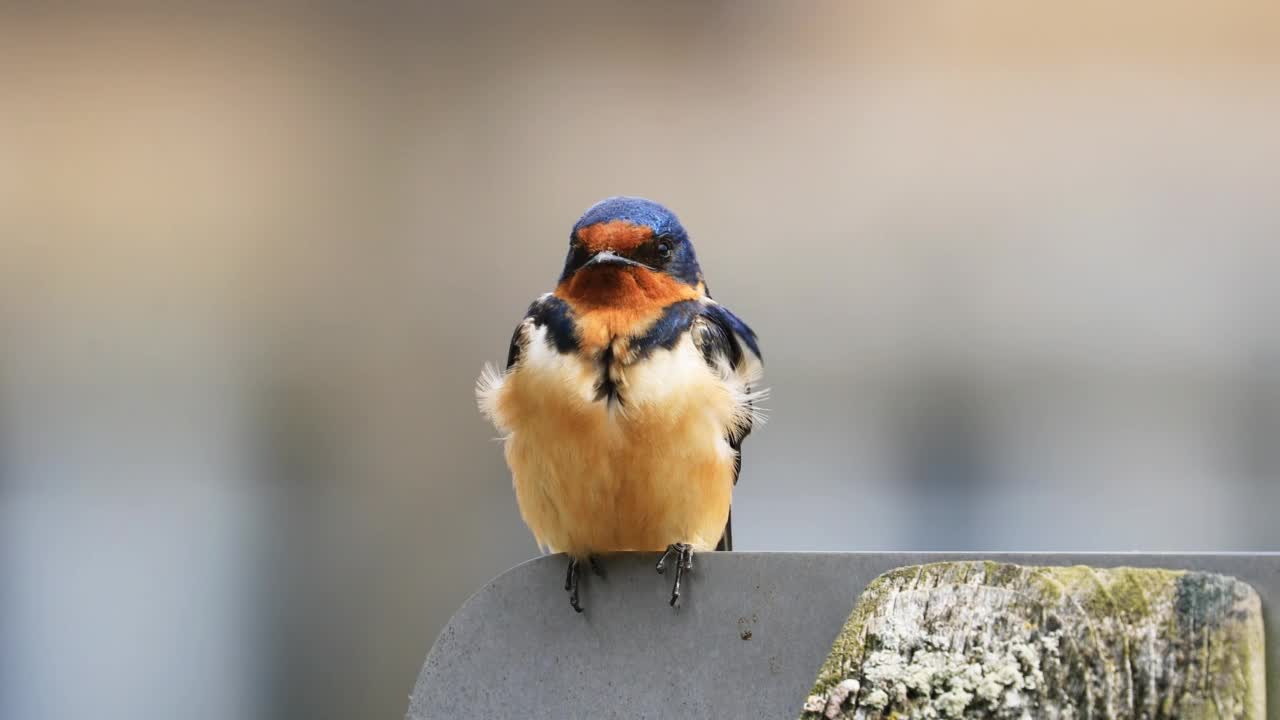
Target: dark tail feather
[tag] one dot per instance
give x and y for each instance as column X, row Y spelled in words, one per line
column 726, row 540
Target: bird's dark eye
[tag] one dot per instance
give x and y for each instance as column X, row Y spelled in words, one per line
column 664, row 249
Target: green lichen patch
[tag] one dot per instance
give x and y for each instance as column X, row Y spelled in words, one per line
column 995, row 640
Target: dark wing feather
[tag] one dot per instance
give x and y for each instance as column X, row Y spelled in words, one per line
column 726, row 339
column 547, row 311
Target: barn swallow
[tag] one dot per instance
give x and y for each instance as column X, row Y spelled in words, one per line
column 626, row 397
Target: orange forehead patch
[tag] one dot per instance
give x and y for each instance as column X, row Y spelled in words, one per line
column 618, row 235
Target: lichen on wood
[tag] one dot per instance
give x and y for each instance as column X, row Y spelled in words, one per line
column 1011, row 642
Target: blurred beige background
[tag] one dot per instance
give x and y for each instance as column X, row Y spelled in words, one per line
column 1014, row 268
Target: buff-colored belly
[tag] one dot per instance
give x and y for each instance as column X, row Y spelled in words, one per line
column 593, row 477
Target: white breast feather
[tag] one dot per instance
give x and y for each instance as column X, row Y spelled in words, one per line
column 663, row 377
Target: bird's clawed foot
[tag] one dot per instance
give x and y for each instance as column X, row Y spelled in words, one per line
column 682, row 553
column 571, row 584
column 574, row 574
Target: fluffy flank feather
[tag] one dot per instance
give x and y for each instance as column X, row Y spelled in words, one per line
column 740, row 383
column 488, row 385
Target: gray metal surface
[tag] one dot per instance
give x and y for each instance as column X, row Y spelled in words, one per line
column 747, row 643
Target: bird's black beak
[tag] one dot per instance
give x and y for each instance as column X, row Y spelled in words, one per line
column 608, row 257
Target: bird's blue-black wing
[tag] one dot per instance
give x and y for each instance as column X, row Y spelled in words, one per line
column 725, row 340
column 552, row 313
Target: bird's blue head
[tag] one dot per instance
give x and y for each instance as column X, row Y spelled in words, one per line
column 634, row 235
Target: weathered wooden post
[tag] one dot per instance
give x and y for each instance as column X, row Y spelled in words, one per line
column 1002, row 641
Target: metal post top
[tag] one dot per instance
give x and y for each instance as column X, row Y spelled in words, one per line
column 746, row 642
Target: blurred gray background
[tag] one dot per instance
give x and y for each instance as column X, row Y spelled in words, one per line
column 1014, row 268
